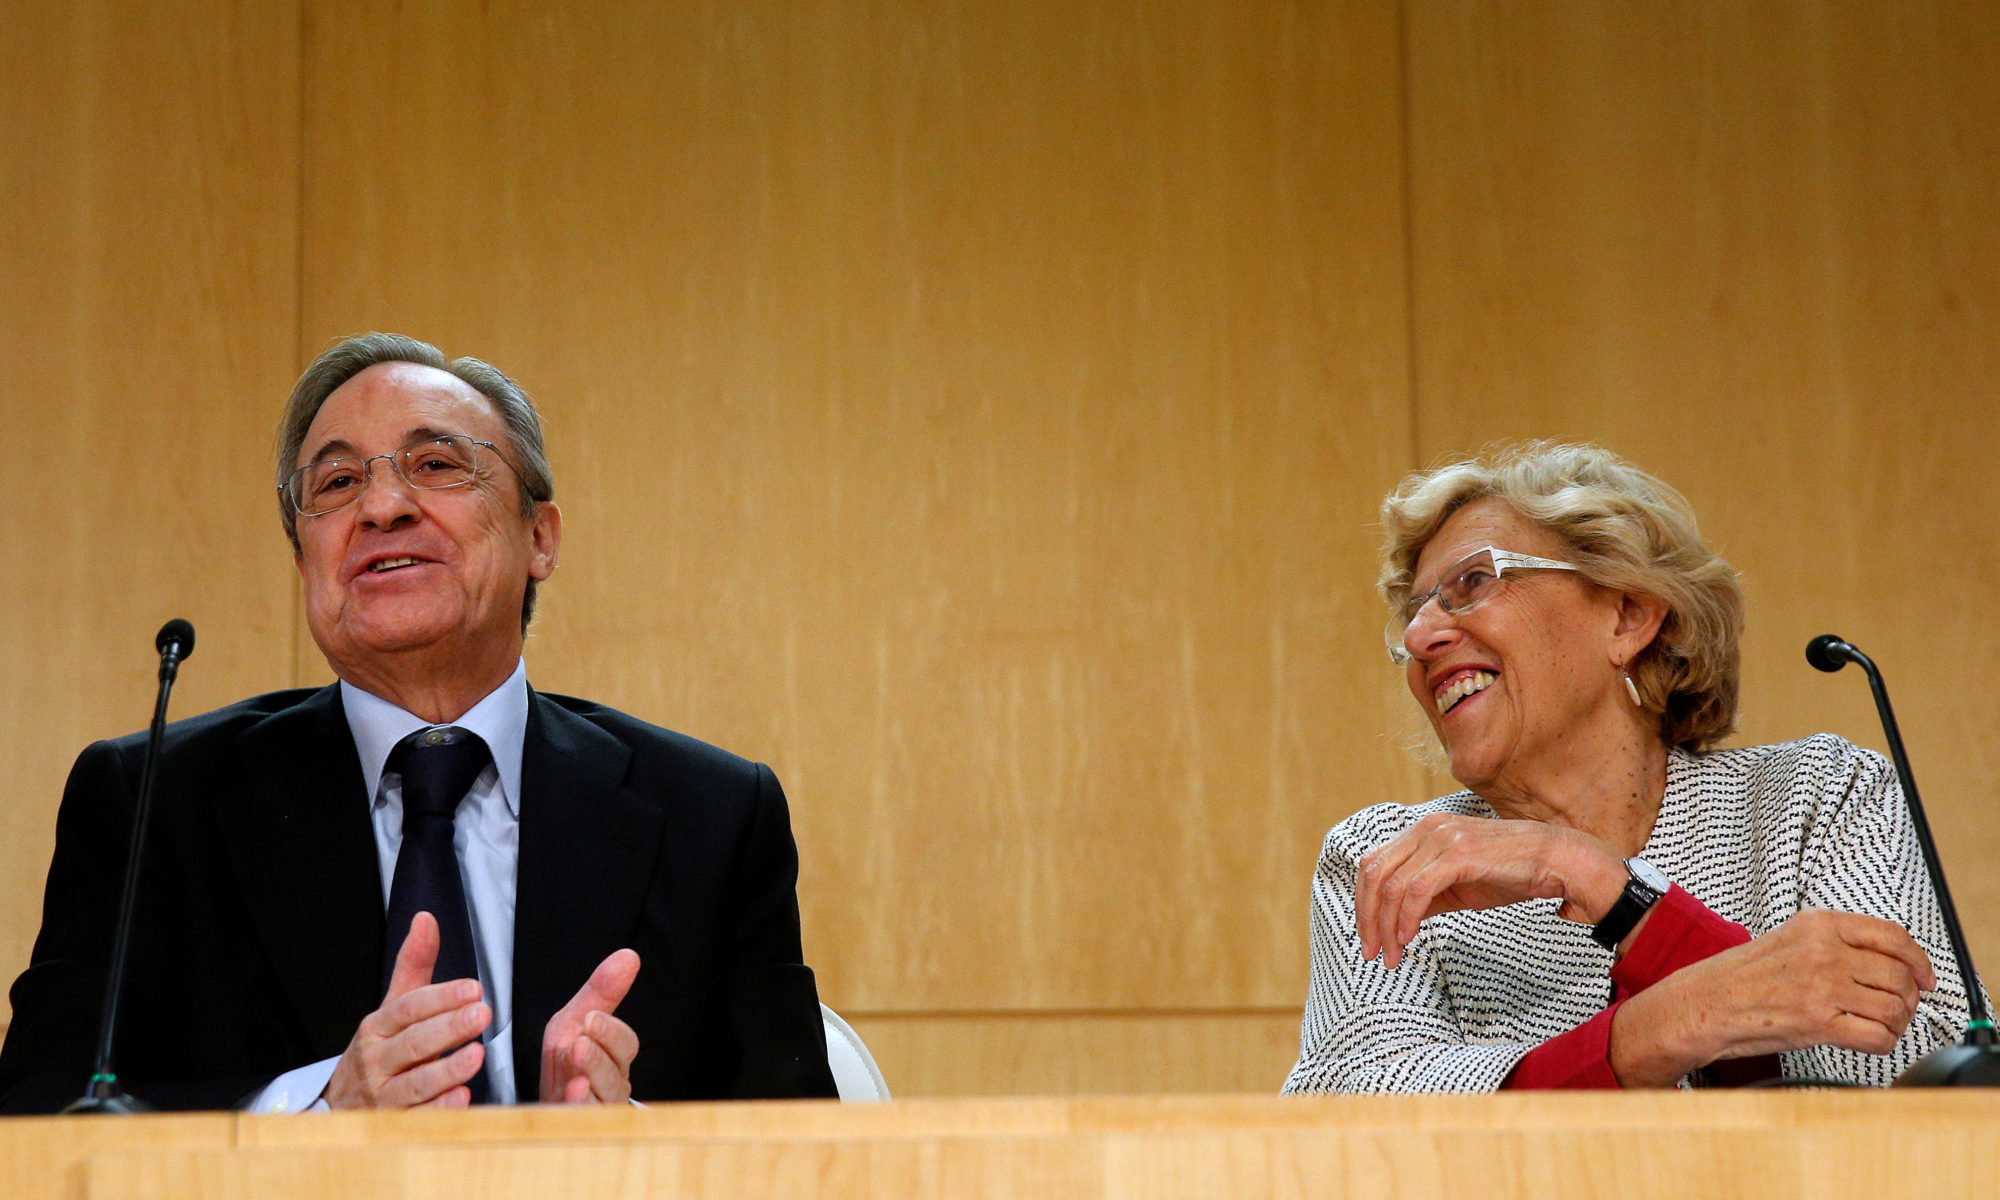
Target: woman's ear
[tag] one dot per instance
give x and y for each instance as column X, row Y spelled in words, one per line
column 1639, row 620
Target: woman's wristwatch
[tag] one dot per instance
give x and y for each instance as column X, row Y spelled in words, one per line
column 1643, row 888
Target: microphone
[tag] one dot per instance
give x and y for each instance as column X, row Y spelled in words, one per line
column 175, row 643
column 1974, row 1062
column 1821, row 652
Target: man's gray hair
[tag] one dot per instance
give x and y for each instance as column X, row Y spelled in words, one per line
column 351, row 356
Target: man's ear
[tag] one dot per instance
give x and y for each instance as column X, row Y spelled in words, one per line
column 1639, row 619
column 545, row 537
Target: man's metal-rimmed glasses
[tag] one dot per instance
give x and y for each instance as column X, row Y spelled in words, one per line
column 445, row 461
column 1465, row 585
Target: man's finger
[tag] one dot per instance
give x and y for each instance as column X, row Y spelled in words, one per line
column 458, row 1097
column 435, row 1079
column 618, row 1039
column 417, row 957
column 605, row 990
column 426, row 1039
column 401, row 1012
column 607, row 1082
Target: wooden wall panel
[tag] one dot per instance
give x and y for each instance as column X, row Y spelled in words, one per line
column 975, row 411
column 1752, row 247
column 148, row 307
column 979, row 411
column 1062, row 1054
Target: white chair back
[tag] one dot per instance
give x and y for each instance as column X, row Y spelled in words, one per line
column 854, row 1069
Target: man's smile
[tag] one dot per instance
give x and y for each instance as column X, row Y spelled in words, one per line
column 381, row 563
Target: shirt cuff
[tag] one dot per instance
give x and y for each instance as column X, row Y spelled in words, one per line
column 301, row 1090
column 1580, row 1058
column 1679, row 932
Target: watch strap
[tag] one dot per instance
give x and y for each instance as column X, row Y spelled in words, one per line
column 1632, row 905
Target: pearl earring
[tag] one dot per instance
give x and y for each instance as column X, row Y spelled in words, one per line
column 1632, row 690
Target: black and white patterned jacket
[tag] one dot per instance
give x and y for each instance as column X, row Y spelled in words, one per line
column 1756, row 834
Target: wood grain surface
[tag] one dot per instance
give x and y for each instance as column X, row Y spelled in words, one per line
column 1057, row 1053
column 975, row 413
column 1531, row 1145
column 1752, row 248
column 979, row 412
column 148, row 313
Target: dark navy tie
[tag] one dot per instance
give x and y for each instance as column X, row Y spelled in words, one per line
column 438, row 767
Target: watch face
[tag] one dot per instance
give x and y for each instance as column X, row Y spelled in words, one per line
column 1648, row 874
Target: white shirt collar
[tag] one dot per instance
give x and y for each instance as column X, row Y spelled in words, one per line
column 501, row 719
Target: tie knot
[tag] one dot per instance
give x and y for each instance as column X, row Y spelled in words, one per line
column 438, row 766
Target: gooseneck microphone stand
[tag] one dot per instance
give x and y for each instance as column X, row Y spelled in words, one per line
column 175, row 643
column 1974, row 1062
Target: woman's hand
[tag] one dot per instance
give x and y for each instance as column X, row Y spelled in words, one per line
column 1446, row 863
column 1822, row 978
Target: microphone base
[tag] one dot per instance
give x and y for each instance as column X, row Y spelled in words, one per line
column 105, row 1098
column 1974, row 1062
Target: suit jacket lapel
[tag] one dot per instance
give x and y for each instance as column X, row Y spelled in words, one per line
column 588, row 850
column 296, row 826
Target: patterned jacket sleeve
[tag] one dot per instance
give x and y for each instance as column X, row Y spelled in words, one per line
column 1371, row 1029
column 1861, row 855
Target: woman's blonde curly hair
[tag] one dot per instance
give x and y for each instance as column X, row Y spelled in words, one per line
column 1625, row 530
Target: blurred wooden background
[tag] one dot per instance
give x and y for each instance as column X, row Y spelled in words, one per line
column 978, row 411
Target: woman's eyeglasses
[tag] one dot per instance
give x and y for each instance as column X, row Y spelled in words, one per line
column 1465, row 585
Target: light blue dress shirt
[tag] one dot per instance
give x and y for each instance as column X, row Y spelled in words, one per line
column 487, row 839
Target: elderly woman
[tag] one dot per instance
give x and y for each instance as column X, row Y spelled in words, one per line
column 1611, row 902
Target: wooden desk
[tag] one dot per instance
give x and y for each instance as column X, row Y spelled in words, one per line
column 1775, row 1145
column 44, row 1158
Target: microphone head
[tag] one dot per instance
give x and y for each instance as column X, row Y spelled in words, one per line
column 1828, row 652
column 177, row 634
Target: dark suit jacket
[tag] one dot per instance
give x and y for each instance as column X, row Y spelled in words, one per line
column 258, row 943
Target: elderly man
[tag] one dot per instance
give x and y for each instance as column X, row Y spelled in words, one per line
column 426, row 884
